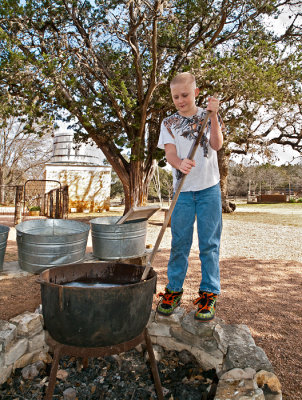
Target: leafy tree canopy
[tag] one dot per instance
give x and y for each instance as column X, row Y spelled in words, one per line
column 109, row 63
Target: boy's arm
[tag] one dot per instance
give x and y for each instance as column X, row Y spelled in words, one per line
column 216, row 138
column 184, row 165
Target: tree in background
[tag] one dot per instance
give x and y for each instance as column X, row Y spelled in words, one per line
column 22, row 153
column 109, row 64
column 165, row 183
column 266, row 178
column 260, row 86
column 116, row 189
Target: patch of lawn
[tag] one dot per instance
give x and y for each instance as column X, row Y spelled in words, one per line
column 285, row 214
column 273, row 206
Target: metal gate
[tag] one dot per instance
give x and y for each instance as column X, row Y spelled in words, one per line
column 35, row 199
column 42, row 198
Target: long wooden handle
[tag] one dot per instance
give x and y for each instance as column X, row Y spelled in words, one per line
column 200, row 130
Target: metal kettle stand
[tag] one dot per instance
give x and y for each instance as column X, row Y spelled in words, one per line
column 86, row 352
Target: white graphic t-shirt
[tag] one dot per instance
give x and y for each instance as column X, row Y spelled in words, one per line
column 181, row 131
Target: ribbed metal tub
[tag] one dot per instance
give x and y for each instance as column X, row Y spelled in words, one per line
column 93, row 316
column 3, row 242
column 43, row 244
column 112, row 242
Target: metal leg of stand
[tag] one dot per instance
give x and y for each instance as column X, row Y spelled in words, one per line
column 53, row 374
column 158, row 387
column 85, row 352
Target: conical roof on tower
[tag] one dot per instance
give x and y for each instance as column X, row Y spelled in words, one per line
column 66, row 151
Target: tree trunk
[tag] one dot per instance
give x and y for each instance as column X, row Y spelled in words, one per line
column 223, row 163
column 1, row 186
column 135, row 176
column 136, row 187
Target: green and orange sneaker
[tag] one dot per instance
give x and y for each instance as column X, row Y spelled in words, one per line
column 206, row 306
column 170, row 300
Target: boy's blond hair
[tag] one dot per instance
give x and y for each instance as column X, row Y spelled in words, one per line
column 183, row 77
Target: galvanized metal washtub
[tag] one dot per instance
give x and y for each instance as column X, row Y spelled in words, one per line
column 4, row 230
column 111, row 241
column 96, row 316
column 43, row 244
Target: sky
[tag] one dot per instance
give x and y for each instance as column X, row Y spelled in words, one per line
column 285, row 154
column 285, row 18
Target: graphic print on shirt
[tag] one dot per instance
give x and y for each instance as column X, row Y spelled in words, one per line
column 187, row 128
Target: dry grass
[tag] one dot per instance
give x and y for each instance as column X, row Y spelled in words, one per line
column 285, row 214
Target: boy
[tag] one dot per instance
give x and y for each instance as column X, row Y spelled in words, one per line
column 200, row 196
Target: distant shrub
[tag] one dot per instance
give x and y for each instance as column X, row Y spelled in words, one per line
column 299, row 200
column 292, row 200
column 35, row 208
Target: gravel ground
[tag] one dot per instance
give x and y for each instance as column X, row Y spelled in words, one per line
column 258, row 240
column 246, row 239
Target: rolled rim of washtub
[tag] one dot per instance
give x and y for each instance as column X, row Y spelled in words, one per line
column 24, row 227
column 113, row 220
column 104, row 220
column 43, row 281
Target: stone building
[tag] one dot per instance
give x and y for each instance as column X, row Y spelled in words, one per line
column 81, row 168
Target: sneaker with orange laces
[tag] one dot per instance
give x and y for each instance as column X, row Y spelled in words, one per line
column 170, row 300
column 206, row 306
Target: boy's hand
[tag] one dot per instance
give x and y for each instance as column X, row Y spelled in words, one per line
column 213, row 104
column 186, row 165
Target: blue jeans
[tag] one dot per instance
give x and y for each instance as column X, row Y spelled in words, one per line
column 205, row 205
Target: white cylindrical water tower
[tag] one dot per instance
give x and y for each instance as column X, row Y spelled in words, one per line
column 65, row 150
column 81, row 167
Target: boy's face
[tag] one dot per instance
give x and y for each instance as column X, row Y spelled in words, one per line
column 183, row 96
